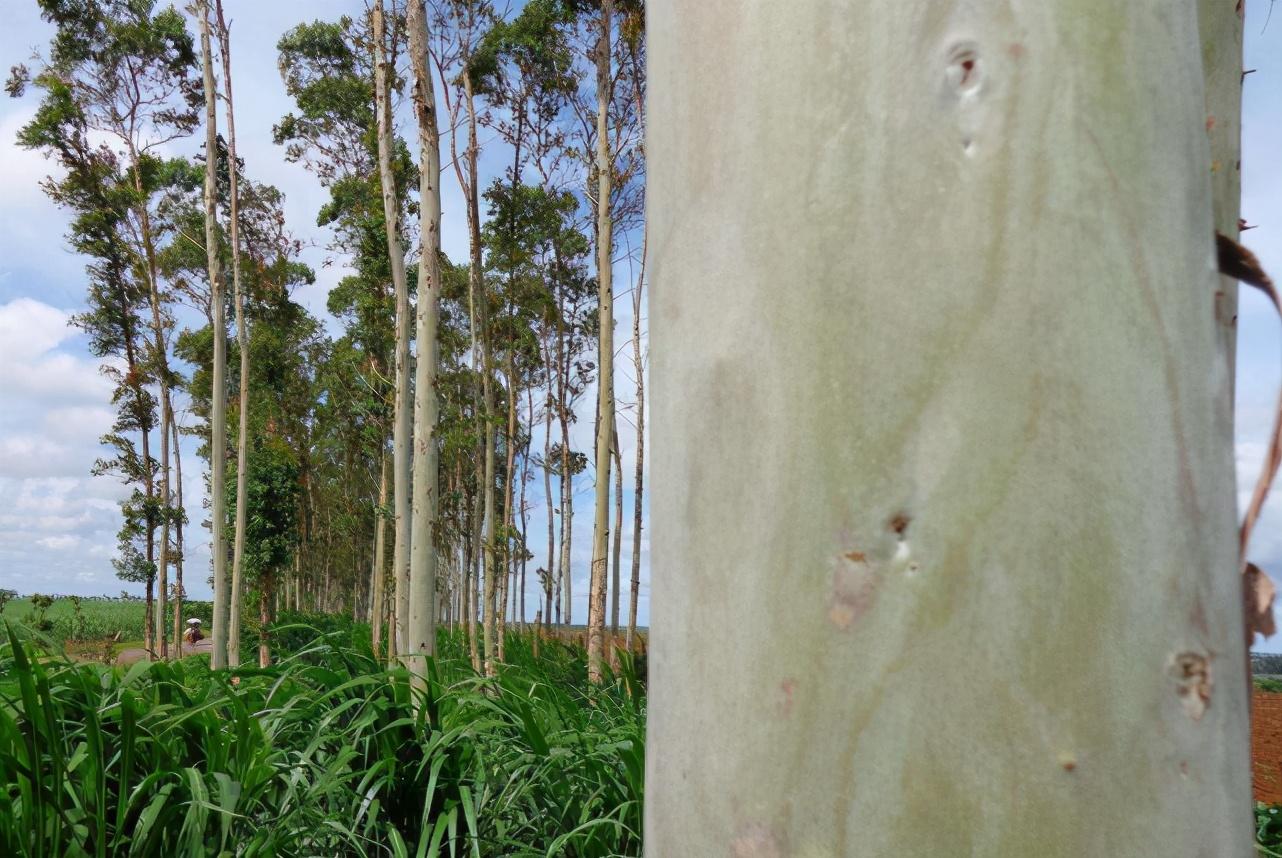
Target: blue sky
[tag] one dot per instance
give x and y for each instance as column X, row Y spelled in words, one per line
column 58, row 524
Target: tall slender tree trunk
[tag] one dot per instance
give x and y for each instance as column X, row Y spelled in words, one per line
column 472, row 549
column 179, row 594
column 509, row 436
column 132, row 360
column 266, row 590
column 218, row 395
column 242, row 340
column 550, row 581
column 618, row 532
column 480, row 304
column 565, row 592
column 422, row 623
column 156, row 613
column 525, row 520
column 638, row 364
column 996, row 372
column 378, row 574
column 401, row 431
column 605, row 351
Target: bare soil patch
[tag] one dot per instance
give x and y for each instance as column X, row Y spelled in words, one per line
column 1266, row 746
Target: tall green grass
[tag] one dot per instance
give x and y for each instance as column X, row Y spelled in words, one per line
column 321, row 755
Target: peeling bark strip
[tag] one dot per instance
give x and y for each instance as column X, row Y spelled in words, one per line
column 1257, row 598
column 1257, row 589
column 1240, row 264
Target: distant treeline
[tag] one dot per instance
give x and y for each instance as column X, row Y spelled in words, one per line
column 1266, row 663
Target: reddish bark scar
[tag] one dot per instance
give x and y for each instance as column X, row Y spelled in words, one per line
column 1192, row 672
column 786, row 688
column 854, row 585
column 1016, row 50
column 1210, row 123
column 756, row 841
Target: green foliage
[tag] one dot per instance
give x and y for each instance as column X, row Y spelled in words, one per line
column 272, row 502
column 322, row 755
column 1266, row 663
column 1270, row 684
column 1268, row 829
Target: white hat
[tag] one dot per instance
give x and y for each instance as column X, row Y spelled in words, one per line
column 193, row 622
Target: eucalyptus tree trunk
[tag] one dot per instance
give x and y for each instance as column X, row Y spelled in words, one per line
column 550, row 581
column 470, row 596
column 155, row 624
column 617, row 552
column 401, row 439
column 504, row 580
column 218, row 394
column 637, row 71
column 422, row 620
column 480, row 317
column 266, row 592
column 155, row 611
column 605, row 351
column 242, row 340
column 989, row 577
column 378, row 574
column 1220, row 23
column 564, row 592
column 639, row 477
column 524, row 510
column 179, row 595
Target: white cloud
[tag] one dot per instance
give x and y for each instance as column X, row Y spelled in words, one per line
column 59, row 543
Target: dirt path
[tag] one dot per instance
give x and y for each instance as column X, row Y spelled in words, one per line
column 129, row 656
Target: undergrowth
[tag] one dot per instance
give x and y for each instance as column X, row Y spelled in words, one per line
column 324, row 754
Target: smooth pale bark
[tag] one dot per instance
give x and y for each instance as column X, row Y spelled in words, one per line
column 638, row 364
column 617, row 551
column 242, row 340
column 549, row 581
column 401, row 431
column 218, row 395
column 505, row 577
column 565, row 593
column 421, row 641
column 179, row 595
column 480, row 317
column 155, row 611
column 156, row 642
column 933, row 297
column 1220, row 22
column 605, row 351
column 470, row 595
column 524, row 510
column 378, row 574
column 132, row 361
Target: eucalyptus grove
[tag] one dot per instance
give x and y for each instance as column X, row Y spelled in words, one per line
column 508, row 339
